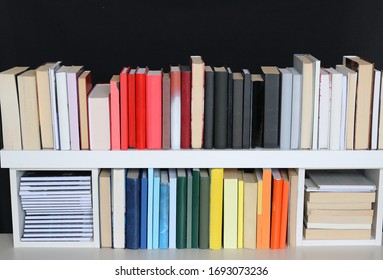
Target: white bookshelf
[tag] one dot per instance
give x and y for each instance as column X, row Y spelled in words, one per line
column 370, row 161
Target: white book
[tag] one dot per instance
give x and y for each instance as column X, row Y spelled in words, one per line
column 58, row 234
column 375, row 109
column 63, row 230
column 61, row 217
column 53, row 188
column 63, row 202
column 59, row 221
column 343, row 122
column 172, row 207
column 55, row 239
column 118, row 207
column 52, row 87
column 47, row 193
column 59, row 226
column 57, row 212
column 49, row 208
column 175, row 107
column 296, row 109
column 57, row 197
column 55, row 176
column 56, row 183
column 62, row 107
column 286, row 108
column 337, row 226
column 324, row 111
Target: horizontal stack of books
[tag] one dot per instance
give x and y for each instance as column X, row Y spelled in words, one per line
column 338, row 205
column 57, row 205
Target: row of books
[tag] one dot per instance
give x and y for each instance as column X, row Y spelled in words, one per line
column 194, row 106
column 195, row 208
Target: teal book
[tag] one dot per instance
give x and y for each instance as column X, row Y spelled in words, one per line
column 156, row 208
column 204, row 209
column 189, row 206
column 164, row 210
column 195, row 208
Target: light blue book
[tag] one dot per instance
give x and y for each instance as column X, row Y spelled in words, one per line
column 156, row 209
column 172, row 207
column 164, row 210
column 150, row 208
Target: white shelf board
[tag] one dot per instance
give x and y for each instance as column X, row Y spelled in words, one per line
column 323, row 159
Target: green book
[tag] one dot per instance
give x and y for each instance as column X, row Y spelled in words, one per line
column 195, row 207
column 189, row 207
column 204, row 202
column 181, row 209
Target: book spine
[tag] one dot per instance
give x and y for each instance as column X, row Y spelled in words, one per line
column 185, row 109
column 132, row 214
column 247, row 108
column 164, row 216
column 124, row 109
column 237, row 114
column 209, row 111
column 195, row 208
column 216, row 201
column 258, row 88
column 230, row 110
column 166, row 111
column 132, row 110
column 181, row 213
column 141, row 111
column 220, row 110
column 175, row 117
column 197, row 104
column 144, row 211
column 271, row 113
column 154, row 111
column 115, row 113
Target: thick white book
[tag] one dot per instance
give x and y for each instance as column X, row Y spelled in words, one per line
column 343, row 121
column 296, row 109
column 375, row 109
column 55, row 176
column 58, row 230
column 286, row 108
column 52, row 87
column 324, row 111
column 62, row 107
column 58, row 212
column 59, row 217
column 59, row 226
column 118, row 207
column 172, row 207
column 175, row 107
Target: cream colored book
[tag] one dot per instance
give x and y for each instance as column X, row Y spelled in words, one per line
column 230, row 208
column 240, row 209
column 250, row 194
column 332, row 219
column 339, row 205
column 118, row 207
column 292, row 213
column 84, row 87
column 105, row 209
column 335, row 212
column 332, row 197
column 336, row 234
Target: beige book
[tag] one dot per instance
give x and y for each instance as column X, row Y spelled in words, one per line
column 337, row 234
column 380, row 127
column 334, row 212
column 292, row 213
column 340, row 196
column 339, row 205
column 10, row 111
column 230, row 208
column 250, row 198
column 197, row 100
column 29, row 111
column 306, row 67
column 332, row 219
column 84, row 87
column 105, row 209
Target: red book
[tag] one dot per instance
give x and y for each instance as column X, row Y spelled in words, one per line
column 285, row 209
column 141, row 108
column 154, row 110
column 132, row 108
column 115, row 113
column 276, row 207
column 185, row 107
column 124, row 107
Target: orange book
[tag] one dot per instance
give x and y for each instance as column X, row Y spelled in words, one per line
column 141, row 108
column 276, row 208
column 154, row 110
column 132, row 108
column 115, row 112
column 264, row 211
column 285, row 209
column 124, row 107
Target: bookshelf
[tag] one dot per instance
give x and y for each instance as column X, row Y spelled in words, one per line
column 369, row 161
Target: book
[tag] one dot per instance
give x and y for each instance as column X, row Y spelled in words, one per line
column 343, row 197
column 72, row 81
column 164, row 211
column 144, row 208
column 208, row 120
column 257, row 119
column 296, row 110
column 197, row 100
column 195, row 208
column 337, row 219
column 230, row 89
column 154, row 109
column 132, row 209
column 115, row 135
column 175, row 107
column 10, row 110
column 250, row 205
column 29, row 112
column 189, row 207
column 313, row 225
column 324, row 111
column 156, row 208
column 84, row 88
column 118, row 207
column 230, row 208
column 185, row 106
column 264, row 208
column 99, row 118
column 338, row 205
column 53, row 99
column 124, row 125
column 375, row 109
column 241, row 210
column 172, row 207
column 339, row 212
column 271, row 105
column 216, row 201
column 181, row 209
column 276, row 209
column 150, row 209
column 220, row 107
column 286, row 86
column 166, row 115
column 204, row 211
column 247, row 109
column 132, row 108
column 237, row 121
column 105, row 209
column 336, row 234
column 140, row 90
column 285, row 208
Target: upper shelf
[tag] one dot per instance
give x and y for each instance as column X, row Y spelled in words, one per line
column 49, row 159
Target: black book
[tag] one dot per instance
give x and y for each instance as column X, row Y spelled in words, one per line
column 220, row 107
column 247, row 108
column 237, row 110
column 208, row 128
column 258, row 110
column 272, row 107
column 229, row 109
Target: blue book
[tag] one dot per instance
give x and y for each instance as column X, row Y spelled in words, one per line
column 144, row 208
column 150, row 208
column 164, row 210
column 132, row 209
column 172, row 207
column 156, row 209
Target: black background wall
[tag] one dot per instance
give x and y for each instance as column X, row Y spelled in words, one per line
column 106, row 35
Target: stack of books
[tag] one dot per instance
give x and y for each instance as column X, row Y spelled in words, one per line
column 338, row 205
column 57, row 205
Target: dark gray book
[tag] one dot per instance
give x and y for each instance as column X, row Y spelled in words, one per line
column 166, row 111
column 229, row 108
column 237, row 110
column 271, row 120
column 258, row 90
column 220, row 107
column 247, row 108
column 208, row 129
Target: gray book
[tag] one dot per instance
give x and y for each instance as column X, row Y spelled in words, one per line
column 296, row 110
column 286, row 99
column 220, row 107
column 208, row 109
column 237, row 110
column 247, row 108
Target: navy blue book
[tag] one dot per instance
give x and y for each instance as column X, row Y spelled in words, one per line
column 164, row 210
column 144, row 208
column 133, row 207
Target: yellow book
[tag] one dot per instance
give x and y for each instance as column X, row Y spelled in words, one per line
column 216, row 200
column 230, row 208
column 240, row 210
